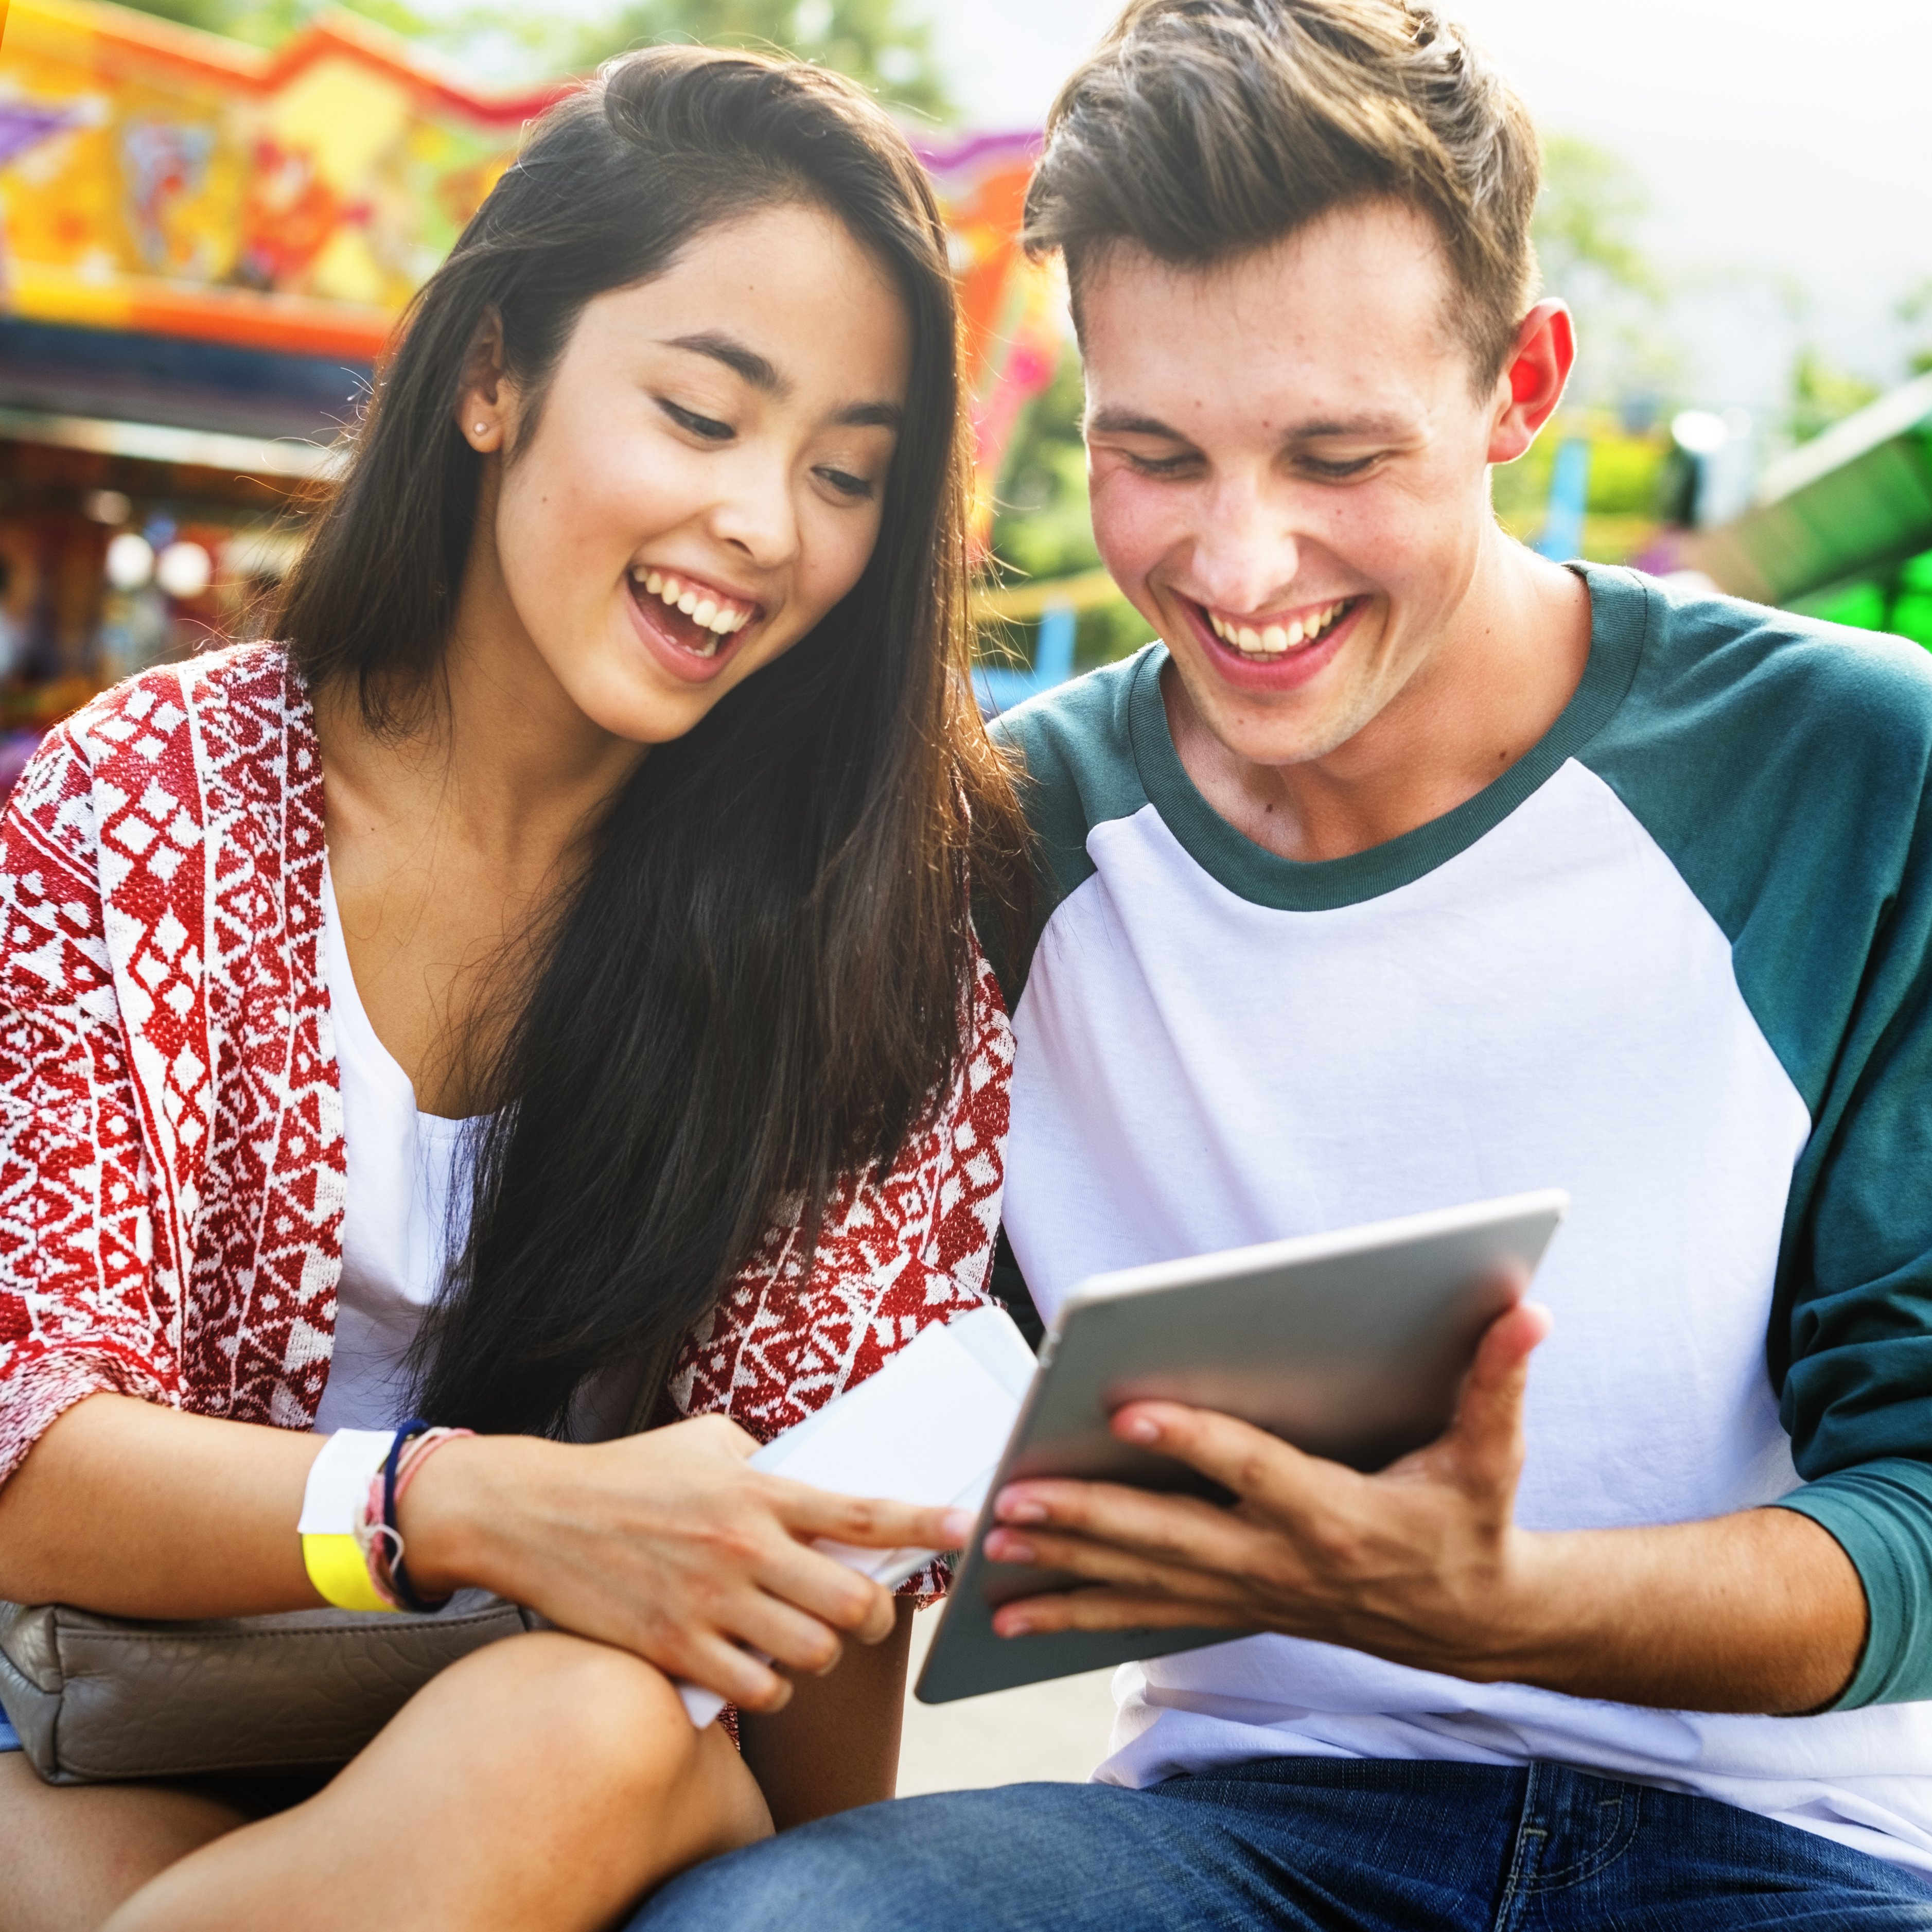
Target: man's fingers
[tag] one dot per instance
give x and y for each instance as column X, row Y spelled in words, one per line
column 1103, row 1609
column 1183, row 1530
column 1124, row 1568
column 1487, row 1436
column 1239, row 1457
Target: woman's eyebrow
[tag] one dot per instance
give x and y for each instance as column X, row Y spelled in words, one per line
column 762, row 374
column 728, row 349
column 871, row 415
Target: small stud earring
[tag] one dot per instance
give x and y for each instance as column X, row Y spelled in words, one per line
column 482, row 429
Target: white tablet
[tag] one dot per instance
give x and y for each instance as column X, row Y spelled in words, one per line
column 1352, row 1345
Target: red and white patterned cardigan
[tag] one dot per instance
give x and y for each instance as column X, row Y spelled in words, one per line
column 171, row 1171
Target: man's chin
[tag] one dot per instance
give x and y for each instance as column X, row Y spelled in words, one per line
column 1295, row 728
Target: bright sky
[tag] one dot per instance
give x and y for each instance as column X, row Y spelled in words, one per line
column 1788, row 160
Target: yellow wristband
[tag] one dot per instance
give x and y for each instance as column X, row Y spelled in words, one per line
column 333, row 1502
column 340, row 1572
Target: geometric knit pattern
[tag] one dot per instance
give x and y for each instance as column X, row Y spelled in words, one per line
column 172, row 1165
column 895, row 1254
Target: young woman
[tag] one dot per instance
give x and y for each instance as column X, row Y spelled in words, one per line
column 541, row 995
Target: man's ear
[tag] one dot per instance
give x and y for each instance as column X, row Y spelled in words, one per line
column 485, row 405
column 1531, row 386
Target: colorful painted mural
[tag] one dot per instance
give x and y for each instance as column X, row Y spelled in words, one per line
column 158, row 179
column 1014, row 326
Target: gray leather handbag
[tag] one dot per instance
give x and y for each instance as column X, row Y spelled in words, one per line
column 96, row 1699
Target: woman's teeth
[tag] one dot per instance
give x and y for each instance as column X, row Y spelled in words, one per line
column 709, row 612
column 1273, row 639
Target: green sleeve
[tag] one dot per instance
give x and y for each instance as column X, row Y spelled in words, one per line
column 1784, row 767
column 1074, row 745
column 1857, row 1395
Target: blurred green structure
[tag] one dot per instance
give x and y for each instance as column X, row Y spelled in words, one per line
column 1841, row 529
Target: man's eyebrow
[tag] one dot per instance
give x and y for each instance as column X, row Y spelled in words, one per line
column 735, row 357
column 1125, row 422
column 1389, row 427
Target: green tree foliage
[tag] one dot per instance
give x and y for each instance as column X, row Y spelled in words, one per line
column 267, row 23
column 1915, row 310
column 877, row 42
column 1591, row 206
column 1041, row 529
column 1587, row 229
column 1821, row 395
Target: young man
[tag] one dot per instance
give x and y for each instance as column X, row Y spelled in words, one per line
column 1408, row 869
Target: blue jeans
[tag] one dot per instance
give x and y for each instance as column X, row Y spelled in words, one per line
column 1299, row 1842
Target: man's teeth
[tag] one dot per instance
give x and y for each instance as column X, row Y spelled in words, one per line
column 709, row 612
column 1272, row 640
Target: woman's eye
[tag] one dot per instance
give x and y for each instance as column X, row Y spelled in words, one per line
column 846, row 484
column 708, row 428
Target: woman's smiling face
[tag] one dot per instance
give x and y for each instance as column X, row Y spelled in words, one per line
column 704, row 479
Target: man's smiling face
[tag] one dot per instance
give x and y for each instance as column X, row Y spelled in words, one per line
column 1289, row 466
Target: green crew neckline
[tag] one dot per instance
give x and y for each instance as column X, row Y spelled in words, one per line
column 1620, row 620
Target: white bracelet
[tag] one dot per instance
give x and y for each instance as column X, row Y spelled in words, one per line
column 333, row 1504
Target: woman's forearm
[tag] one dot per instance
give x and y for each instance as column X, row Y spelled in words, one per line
column 669, row 1545
column 133, row 1510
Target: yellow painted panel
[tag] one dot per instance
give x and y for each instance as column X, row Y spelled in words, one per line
column 342, row 115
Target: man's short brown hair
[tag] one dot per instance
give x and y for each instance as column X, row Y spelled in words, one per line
column 1200, row 130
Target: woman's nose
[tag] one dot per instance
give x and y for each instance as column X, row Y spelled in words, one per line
column 758, row 516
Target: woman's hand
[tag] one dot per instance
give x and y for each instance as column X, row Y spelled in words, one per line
column 666, row 1544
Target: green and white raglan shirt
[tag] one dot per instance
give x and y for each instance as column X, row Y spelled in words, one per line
column 1676, row 961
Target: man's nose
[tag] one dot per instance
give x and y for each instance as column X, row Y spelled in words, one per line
column 1245, row 552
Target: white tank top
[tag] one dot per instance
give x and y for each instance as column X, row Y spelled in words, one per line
column 408, row 1206
column 409, row 1176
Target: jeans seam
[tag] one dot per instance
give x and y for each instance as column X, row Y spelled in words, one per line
column 1516, row 1889
column 1628, row 1803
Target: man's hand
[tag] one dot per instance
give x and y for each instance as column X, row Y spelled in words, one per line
column 1423, row 1564
column 1402, row 1563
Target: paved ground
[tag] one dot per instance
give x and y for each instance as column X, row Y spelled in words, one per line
column 1055, row 1731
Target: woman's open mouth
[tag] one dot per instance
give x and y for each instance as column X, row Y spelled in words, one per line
column 698, row 622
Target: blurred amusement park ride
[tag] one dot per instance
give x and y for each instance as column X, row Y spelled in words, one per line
column 205, row 246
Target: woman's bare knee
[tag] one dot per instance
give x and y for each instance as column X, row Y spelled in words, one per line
column 571, row 1705
column 537, row 1786
column 72, row 1853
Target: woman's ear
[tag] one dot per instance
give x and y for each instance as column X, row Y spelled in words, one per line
column 485, row 406
column 1531, row 386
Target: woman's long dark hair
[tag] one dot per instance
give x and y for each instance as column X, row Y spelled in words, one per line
column 763, row 975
